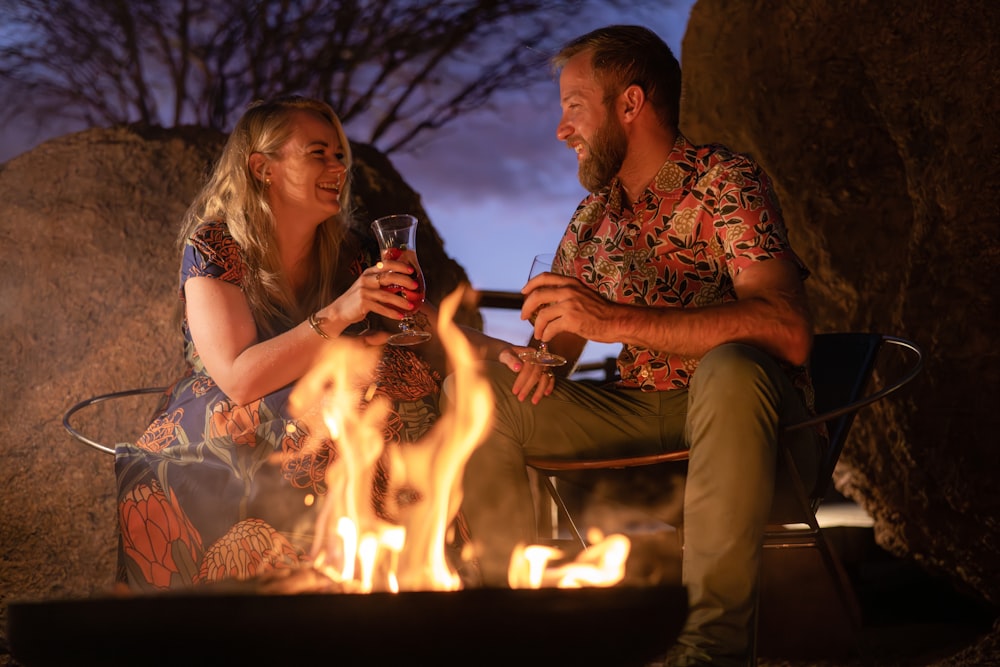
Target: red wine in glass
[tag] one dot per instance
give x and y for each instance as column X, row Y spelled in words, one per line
column 397, row 239
column 416, row 295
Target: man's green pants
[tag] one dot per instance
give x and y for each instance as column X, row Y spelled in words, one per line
column 730, row 418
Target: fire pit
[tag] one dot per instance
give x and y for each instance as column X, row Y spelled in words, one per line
column 589, row 626
column 544, row 619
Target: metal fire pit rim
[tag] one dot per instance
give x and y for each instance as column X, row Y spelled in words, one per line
column 625, row 624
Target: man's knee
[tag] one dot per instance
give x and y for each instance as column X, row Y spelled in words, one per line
column 734, row 365
column 501, row 447
column 735, row 396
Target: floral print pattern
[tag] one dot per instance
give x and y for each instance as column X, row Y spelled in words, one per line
column 707, row 214
column 157, row 537
column 235, row 477
column 238, row 422
column 249, row 548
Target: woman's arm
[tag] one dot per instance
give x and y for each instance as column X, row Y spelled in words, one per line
column 225, row 335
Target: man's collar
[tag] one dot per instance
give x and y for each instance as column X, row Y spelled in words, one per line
column 616, row 196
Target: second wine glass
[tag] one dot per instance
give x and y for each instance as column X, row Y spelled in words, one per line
column 541, row 356
column 397, row 240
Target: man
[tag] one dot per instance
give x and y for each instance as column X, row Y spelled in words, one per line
column 680, row 254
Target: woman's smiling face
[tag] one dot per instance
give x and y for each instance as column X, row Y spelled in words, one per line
column 309, row 171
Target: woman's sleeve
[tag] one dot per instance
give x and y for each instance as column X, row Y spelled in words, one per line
column 211, row 252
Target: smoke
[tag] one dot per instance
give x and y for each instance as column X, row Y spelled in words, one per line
column 644, row 503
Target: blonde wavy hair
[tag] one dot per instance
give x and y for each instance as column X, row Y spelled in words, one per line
column 235, row 196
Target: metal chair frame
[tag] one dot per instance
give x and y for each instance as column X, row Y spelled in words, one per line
column 837, row 412
column 94, row 400
column 839, row 419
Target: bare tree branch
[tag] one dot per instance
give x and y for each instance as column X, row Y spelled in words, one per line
column 395, row 70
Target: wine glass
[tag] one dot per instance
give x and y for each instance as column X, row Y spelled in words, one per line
column 541, row 356
column 397, row 239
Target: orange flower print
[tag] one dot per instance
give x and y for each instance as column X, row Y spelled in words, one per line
column 403, row 376
column 202, row 385
column 249, row 548
column 155, row 532
column 161, row 432
column 304, row 460
column 238, row 422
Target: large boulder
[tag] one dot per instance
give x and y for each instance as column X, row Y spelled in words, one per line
column 89, row 290
column 877, row 122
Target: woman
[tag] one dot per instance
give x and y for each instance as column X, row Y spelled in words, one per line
column 270, row 270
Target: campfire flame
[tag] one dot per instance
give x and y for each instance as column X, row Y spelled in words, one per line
column 603, row 564
column 362, row 552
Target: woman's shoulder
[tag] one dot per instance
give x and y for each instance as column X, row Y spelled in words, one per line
column 210, row 233
column 211, row 245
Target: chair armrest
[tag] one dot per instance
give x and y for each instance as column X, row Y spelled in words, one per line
column 601, row 464
column 98, row 399
column 912, row 372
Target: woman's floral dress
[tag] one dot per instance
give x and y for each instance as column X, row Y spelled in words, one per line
column 201, row 495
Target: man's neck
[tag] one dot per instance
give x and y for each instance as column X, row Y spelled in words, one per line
column 645, row 157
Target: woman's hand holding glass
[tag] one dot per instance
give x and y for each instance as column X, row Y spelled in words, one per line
column 368, row 294
column 397, row 239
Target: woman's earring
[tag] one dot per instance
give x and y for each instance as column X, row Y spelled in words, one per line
column 267, row 182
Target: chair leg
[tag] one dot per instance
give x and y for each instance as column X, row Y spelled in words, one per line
column 563, row 510
column 842, row 582
column 814, row 537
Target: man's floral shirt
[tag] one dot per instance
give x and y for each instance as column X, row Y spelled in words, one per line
column 708, row 214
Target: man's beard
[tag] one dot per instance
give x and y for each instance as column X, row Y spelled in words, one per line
column 607, row 153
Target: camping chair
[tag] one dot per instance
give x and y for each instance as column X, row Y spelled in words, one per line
column 841, row 365
column 94, row 400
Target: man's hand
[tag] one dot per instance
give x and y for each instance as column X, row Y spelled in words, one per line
column 769, row 313
column 562, row 304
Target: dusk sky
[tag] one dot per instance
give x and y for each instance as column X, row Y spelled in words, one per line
column 500, row 188
column 496, row 184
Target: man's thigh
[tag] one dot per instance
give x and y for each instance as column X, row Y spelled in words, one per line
column 585, row 420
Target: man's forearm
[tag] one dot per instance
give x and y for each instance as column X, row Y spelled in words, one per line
column 772, row 325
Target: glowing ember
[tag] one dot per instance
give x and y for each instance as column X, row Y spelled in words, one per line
column 362, row 552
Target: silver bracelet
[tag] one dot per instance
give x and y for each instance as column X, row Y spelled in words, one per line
column 314, row 325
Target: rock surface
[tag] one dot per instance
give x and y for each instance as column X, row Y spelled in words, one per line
column 877, row 122
column 89, row 268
